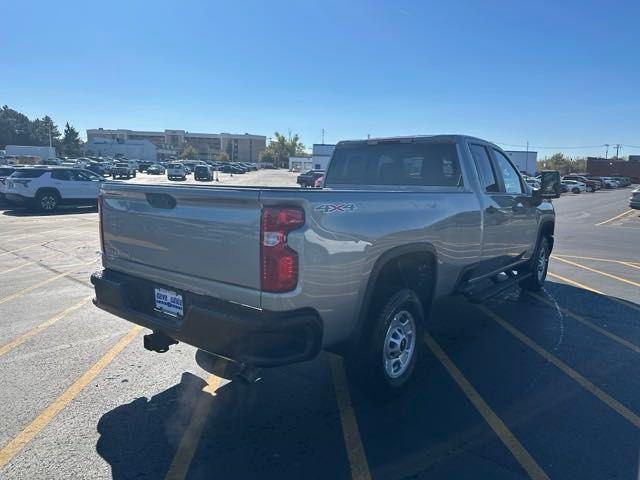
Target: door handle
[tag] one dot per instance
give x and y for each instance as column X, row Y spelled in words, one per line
column 491, row 209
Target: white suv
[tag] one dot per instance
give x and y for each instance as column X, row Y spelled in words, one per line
column 47, row 188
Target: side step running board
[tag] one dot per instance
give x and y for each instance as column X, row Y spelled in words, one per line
column 486, row 293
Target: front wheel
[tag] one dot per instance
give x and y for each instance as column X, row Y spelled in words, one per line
column 538, row 267
column 390, row 352
column 576, row 190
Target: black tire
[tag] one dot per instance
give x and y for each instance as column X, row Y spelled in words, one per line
column 134, row 174
column 113, row 177
column 575, row 190
column 538, row 267
column 387, row 341
column 47, row 201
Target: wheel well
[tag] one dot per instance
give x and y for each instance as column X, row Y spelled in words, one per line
column 411, row 270
column 547, row 230
column 47, row 189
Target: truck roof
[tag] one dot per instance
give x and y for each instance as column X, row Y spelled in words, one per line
column 450, row 137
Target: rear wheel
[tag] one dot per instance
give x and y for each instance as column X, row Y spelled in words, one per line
column 47, row 201
column 389, row 354
column 538, row 267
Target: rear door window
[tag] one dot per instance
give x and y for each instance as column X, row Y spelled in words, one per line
column 401, row 164
column 27, row 173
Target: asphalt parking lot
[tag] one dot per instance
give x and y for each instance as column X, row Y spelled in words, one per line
column 526, row 385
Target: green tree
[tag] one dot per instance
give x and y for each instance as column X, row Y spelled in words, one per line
column 223, row 157
column 42, row 128
column 189, row 152
column 281, row 148
column 564, row 165
column 15, row 128
column 71, row 141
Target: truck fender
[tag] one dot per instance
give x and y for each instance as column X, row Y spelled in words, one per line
column 394, row 253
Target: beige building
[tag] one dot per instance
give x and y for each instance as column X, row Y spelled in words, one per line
column 240, row 148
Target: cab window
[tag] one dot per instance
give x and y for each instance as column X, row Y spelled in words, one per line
column 488, row 177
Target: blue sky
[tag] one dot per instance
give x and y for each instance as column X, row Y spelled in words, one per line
column 551, row 73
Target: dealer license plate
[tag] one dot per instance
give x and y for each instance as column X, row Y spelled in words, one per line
column 169, row 302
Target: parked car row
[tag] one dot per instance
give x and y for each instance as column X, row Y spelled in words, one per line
column 590, row 183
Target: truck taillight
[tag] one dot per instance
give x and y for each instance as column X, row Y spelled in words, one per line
column 279, row 263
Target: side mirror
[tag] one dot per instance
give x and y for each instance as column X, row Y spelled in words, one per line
column 549, row 185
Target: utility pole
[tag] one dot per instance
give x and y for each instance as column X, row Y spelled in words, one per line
column 323, row 136
column 606, row 155
column 617, row 150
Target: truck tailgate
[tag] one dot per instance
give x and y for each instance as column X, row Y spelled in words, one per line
column 174, row 232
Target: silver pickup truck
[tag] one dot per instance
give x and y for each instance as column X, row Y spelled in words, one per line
column 271, row 276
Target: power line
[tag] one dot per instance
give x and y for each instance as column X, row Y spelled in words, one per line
column 556, row 147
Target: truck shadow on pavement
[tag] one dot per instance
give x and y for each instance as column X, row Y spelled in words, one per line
column 288, row 424
column 284, row 426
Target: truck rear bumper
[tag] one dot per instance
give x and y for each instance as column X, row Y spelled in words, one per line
column 244, row 334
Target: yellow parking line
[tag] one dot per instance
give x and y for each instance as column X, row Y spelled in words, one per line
column 615, row 277
column 616, row 217
column 593, row 326
column 26, row 336
column 350, row 431
column 24, row 230
column 39, row 244
column 609, row 260
column 566, row 369
column 520, row 453
column 49, row 413
column 191, row 438
column 581, row 285
column 574, row 283
column 18, row 267
column 19, row 293
column 33, row 234
column 630, row 264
